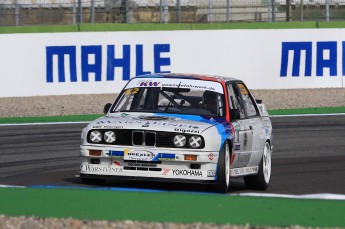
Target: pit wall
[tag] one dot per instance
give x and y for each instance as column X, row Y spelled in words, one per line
column 39, row 64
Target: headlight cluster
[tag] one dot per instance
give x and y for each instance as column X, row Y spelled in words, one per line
column 97, row 136
column 194, row 141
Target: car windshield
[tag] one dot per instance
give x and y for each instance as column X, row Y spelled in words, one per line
column 172, row 95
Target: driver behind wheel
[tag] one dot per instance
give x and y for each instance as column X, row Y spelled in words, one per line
column 209, row 101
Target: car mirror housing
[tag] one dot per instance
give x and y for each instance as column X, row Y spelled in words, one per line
column 258, row 101
column 106, row 108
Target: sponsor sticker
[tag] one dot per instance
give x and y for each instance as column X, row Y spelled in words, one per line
column 131, row 91
column 186, row 172
column 147, row 124
column 243, row 89
column 165, row 171
column 115, row 154
column 148, row 83
column 141, row 165
column 237, row 147
column 114, row 162
column 99, row 168
column 166, row 157
column 175, row 83
column 107, row 127
column 211, row 173
column 139, row 155
column 195, row 130
column 243, row 171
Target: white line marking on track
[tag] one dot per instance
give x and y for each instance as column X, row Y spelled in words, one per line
column 306, row 115
column 43, row 123
column 322, row 196
column 11, row 186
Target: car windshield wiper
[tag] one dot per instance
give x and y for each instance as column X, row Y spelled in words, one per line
column 173, row 99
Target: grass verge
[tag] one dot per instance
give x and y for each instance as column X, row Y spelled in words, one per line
column 315, row 110
column 86, row 27
column 170, row 207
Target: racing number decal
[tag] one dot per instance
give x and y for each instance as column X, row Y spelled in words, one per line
column 132, row 91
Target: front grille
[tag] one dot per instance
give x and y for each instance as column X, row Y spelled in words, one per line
column 165, row 139
column 128, row 137
column 150, row 138
column 138, row 138
column 141, row 138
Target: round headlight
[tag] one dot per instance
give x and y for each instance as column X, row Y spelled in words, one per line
column 195, row 141
column 109, row 136
column 180, row 140
column 96, row 136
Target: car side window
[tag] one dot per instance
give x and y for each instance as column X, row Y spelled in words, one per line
column 235, row 100
column 248, row 101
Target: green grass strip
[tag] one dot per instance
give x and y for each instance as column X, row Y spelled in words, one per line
column 87, row 27
column 217, row 26
column 316, row 110
column 38, row 29
column 170, row 207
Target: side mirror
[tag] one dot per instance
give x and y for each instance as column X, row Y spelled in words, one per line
column 235, row 114
column 258, row 101
column 106, row 108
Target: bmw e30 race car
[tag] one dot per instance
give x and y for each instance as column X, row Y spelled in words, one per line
column 180, row 127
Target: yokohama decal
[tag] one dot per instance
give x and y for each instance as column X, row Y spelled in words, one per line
column 184, row 172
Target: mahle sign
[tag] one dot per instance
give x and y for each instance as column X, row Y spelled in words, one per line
column 91, row 62
column 327, row 57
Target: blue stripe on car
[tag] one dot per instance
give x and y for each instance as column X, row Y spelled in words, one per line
column 223, row 127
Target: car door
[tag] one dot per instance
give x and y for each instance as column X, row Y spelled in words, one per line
column 253, row 120
column 247, row 124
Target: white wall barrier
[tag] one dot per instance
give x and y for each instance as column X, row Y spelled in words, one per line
column 102, row 62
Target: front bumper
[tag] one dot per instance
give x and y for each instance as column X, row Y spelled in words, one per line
column 135, row 163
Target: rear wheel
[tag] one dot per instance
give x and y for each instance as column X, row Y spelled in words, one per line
column 223, row 172
column 261, row 180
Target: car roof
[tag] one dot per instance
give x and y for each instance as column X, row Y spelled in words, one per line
column 189, row 76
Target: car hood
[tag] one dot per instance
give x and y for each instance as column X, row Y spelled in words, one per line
column 157, row 121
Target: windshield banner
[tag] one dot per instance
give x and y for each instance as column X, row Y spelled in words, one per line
column 176, row 83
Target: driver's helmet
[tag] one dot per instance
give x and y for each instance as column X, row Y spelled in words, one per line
column 209, row 99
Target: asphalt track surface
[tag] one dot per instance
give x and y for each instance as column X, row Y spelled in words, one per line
column 308, row 157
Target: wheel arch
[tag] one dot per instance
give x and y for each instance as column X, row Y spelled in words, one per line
column 270, row 142
column 231, row 148
column 230, row 144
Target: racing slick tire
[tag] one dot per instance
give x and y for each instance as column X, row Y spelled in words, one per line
column 223, row 171
column 261, row 180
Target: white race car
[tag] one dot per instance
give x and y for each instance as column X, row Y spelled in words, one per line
column 180, row 127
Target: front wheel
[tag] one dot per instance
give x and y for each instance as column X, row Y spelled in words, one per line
column 223, row 172
column 261, row 180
